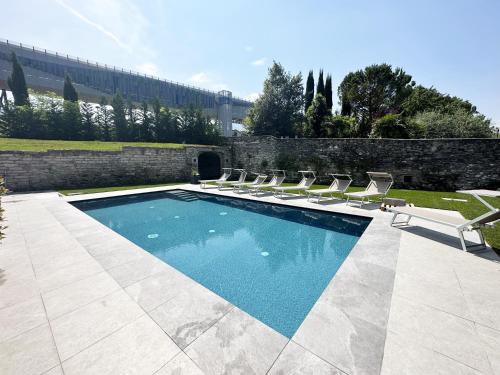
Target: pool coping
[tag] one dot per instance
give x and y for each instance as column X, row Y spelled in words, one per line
column 344, row 333
column 71, row 290
column 356, row 302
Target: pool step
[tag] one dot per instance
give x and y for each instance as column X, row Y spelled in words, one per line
column 182, row 195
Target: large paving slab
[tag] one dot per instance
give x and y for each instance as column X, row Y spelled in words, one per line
column 237, row 343
column 77, row 298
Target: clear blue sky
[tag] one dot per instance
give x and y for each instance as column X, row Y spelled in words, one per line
column 453, row 45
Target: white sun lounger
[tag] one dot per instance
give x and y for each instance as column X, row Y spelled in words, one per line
column 238, row 186
column 460, row 224
column 224, row 177
column 380, row 183
column 241, row 179
column 339, row 185
column 308, row 178
column 277, row 179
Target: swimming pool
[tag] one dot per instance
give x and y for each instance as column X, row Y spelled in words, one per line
column 271, row 261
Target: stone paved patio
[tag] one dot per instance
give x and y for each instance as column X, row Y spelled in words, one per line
column 77, row 298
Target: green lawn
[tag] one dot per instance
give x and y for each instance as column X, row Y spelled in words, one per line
column 40, row 145
column 112, row 188
column 433, row 199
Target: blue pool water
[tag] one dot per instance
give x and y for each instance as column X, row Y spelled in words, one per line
column 271, row 261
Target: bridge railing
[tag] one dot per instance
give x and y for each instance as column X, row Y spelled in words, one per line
column 95, row 64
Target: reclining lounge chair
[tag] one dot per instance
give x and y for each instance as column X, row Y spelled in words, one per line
column 277, row 179
column 380, row 183
column 241, row 179
column 339, row 185
column 308, row 178
column 224, row 177
column 239, row 186
column 460, row 224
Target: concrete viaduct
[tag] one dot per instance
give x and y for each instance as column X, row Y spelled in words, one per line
column 45, row 70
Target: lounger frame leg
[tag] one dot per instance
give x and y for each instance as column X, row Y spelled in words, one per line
column 462, row 240
column 481, row 237
column 394, row 218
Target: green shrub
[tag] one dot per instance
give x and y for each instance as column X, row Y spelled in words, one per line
column 459, row 124
column 389, row 126
column 341, row 127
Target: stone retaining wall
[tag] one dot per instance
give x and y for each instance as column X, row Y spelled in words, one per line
column 26, row 171
column 441, row 164
column 434, row 164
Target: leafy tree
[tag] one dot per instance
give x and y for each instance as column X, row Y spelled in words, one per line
column 72, row 120
column 69, row 91
column 50, row 113
column 3, row 99
column 309, row 94
column 390, row 126
column 320, row 88
column 16, row 121
column 189, row 125
column 372, row 93
column 155, row 116
column 119, row 118
column 279, row 109
column 212, row 132
column 145, row 124
column 17, row 83
column 194, row 127
column 317, row 116
column 166, row 126
column 424, row 99
column 104, row 120
column 88, row 122
column 345, row 107
column 328, row 92
column 341, row 127
column 459, row 124
column 133, row 122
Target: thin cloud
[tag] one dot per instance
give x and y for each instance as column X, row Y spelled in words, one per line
column 95, row 25
column 205, row 80
column 149, row 68
column 259, row 62
column 248, row 48
column 199, row 78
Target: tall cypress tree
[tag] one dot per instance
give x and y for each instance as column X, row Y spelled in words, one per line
column 133, row 129
column 72, row 119
column 155, row 117
column 145, row 124
column 69, row 91
column 316, row 117
column 3, row 99
column 320, row 89
column 88, row 122
column 104, row 120
column 309, row 95
column 328, row 92
column 119, row 118
column 17, row 83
